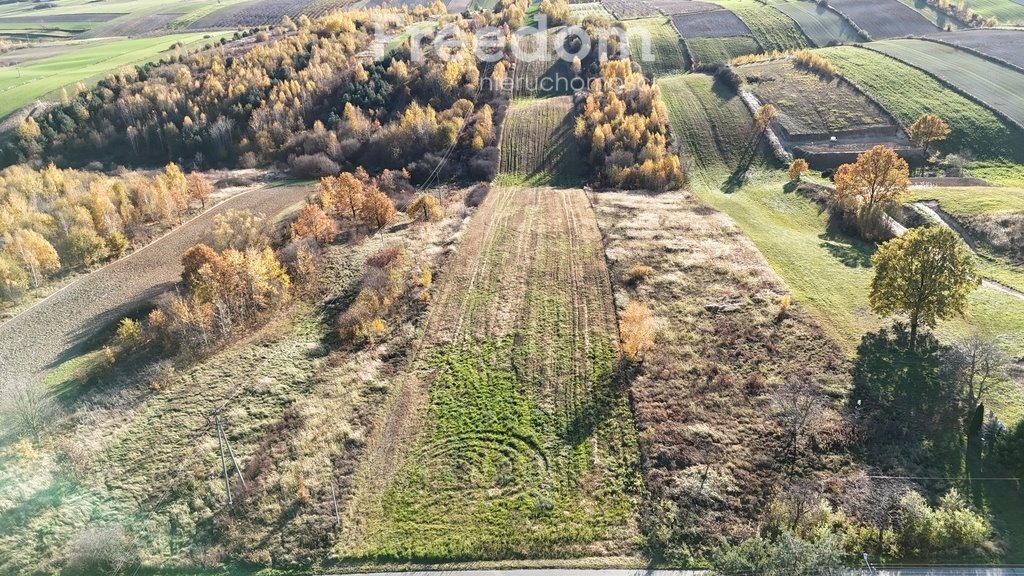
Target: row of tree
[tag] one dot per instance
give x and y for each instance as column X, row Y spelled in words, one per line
column 53, row 220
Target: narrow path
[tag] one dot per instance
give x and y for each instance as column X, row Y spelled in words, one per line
column 58, row 327
column 932, row 211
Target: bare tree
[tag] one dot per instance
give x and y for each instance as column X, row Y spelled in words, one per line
column 974, row 362
column 797, row 404
column 27, row 409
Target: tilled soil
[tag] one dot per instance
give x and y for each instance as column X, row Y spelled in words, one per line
column 56, row 328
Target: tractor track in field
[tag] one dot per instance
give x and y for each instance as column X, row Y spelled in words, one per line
column 65, row 323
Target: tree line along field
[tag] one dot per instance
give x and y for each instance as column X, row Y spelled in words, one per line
column 884, row 18
column 525, row 447
column 998, row 87
column 656, row 45
column 823, row 26
column 907, row 93
column 538, row 144
column 20, row 85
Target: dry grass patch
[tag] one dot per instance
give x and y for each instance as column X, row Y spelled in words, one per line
column 716, row 444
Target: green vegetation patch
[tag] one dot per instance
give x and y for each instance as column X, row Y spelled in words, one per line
column 823, row 26
column 656, row 45
column 999, row 87
column 720, row 50
column 908, row 93
column 714, row 126
column 527, row 447
column 538, row 146
column 1006, row 11
column 772, row 29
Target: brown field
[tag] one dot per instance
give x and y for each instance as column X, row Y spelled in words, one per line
column 630, row 10
column 671, row 7
column 884, row 18
column 710, row 24
column 525, row 447
column 713, row 451
column 1004, row 45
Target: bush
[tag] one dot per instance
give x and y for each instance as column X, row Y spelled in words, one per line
column 27, row 408
column 102, row 550
column 948, row 530
column 638, row 273
column 786, row 556
column 129, row 333
column 313, row 165
column 636, row 328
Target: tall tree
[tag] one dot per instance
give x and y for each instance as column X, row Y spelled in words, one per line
column 926, row 130
column 926, row 274
column 377, row 210
column 878, row 175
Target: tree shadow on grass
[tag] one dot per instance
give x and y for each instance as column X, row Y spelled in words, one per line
column 738, row 177
column 909, row 415
column 851, row 254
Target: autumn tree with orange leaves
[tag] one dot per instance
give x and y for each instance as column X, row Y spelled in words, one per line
column 878, row 176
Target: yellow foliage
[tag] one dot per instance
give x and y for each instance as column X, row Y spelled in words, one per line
column 636, row 329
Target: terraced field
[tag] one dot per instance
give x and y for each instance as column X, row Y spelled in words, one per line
column 884, row 18
column 1004, row 45
column 823, row 26
column 809, row 104
column 1005, row 11
column 720, row 50
column 656, row 45
column 999, row 87
column 22, row 84
column 538, row 144
column 544, row 75
column 630, row 9
column 772, row 29
column 908, row 93
column 713, row 23
column 587, row 9
column 714, row 126
column 527, row 447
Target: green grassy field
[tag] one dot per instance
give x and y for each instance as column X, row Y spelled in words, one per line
column 908, row 93
column 999, row 87
column 657, row 46
column 823, row 26
column 714, row 126
column 772, row 29
column 538, row 144
column 526, row 447
column 1006, row 11
column 22, row 84
column 809, row 104
column 974, row 200
column 722, row 49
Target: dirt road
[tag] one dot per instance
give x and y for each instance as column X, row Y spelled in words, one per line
column 56, row 328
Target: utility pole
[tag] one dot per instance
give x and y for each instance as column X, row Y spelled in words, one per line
column 223, row 462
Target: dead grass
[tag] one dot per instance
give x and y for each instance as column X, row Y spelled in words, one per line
column 712, row 454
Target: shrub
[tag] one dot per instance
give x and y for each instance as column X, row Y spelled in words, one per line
column 785, row 556
column 948, row 530
column 425, row 208
column 101, row 550
column 27, row 408
column 636, row 328
column 638, row 273
column 814, row 62
column 313, row 165
column 129, row 333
